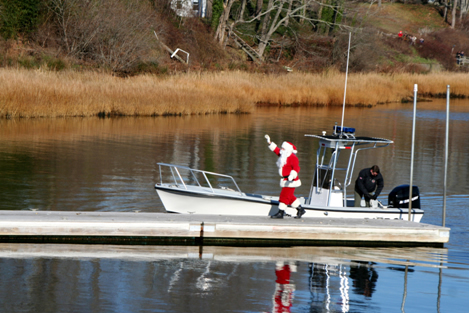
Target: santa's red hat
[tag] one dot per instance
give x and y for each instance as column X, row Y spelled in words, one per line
column 289, row 147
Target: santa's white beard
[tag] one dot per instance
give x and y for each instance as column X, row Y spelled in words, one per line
column 282, row 160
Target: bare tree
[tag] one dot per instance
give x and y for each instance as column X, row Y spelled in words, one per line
column 259, row 6
column 454, row 10
column 116, row 33
column 76, row 33
column 277, row 13
column 221, row 28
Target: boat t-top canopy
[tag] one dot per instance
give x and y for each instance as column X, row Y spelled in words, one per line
column 326, row 190
column 347, row 142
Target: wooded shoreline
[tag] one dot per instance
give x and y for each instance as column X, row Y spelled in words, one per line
column 38, row 93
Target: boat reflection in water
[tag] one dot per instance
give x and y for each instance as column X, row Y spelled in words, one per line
column 325, row 277
column 234, row 279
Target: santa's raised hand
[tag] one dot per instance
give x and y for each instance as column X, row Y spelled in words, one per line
column 268, row 138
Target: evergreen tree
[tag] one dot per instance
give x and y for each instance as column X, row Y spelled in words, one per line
column 217, row 9
column 18, row 17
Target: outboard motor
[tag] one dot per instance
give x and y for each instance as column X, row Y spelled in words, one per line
column 398, row 197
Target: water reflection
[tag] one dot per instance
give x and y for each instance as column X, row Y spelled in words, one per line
column 329, row 288
column 363, row 277
column 64, row 278
column 284, row 291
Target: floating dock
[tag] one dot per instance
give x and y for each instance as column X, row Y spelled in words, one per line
column 144, row 228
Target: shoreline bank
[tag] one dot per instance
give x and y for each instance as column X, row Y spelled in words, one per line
column 36, row 93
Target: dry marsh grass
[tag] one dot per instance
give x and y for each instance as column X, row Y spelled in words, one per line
column 62, row 94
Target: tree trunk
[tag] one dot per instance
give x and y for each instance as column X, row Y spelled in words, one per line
column 259, row 6
column 209, row 9
column 267, row 35
column 454, row 10
column 289, row 9
column 320, row 9
column 461, row 8
column 304, row 12
column 263, row 38
column 240, row 19
column 445, row 10
column 335, row 15
column 220, row 33
column 242, row 12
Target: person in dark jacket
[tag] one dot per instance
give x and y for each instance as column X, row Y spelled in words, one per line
column 369, row 181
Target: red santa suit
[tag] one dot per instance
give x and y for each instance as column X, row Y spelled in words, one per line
column 288, row 164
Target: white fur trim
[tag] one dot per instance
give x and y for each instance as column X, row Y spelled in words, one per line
column 290, row 184
column 287, row 146
column 282, row 206
column 296, row 203
column 290, row 148
column 272, row 146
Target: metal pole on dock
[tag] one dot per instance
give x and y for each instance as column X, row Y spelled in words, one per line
column 412, row 151
column 345, row 85
column 446, row 157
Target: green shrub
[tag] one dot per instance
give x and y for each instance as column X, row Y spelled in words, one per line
column 217, row 9
column 19, row 17
column 28, row 62
column 55, row 64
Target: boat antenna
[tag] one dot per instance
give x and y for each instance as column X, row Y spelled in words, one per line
column 345, row 84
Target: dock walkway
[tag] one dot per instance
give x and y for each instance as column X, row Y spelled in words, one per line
column 163, row 228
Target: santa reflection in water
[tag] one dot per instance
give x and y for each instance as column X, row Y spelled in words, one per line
column 284, row 294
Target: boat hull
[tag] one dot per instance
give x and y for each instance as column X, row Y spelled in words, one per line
column 194, row 200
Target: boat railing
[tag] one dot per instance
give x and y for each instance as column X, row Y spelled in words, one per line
column 178, row 178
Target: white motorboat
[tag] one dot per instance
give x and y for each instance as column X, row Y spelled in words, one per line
column 193, row 191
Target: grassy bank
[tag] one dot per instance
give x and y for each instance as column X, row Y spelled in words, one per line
column 60, row 94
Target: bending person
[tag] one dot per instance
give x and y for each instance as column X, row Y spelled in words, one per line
column 288, row 165
column 368, row 181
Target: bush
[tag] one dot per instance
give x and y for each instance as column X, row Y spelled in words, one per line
column 312, row 53
column 28, row 62
column 55, row 64
column 114, row 33
column 217, row 9
column 443, row 45
column 438, row 51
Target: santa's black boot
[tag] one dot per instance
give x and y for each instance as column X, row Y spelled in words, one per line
column 300, row 212
column 279, row 215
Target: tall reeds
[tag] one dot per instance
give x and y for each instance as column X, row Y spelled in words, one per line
column 27, row 93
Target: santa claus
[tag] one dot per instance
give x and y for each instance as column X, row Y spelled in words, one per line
column 288, row 165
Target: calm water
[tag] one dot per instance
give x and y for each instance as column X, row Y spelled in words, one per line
column 110, row 165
